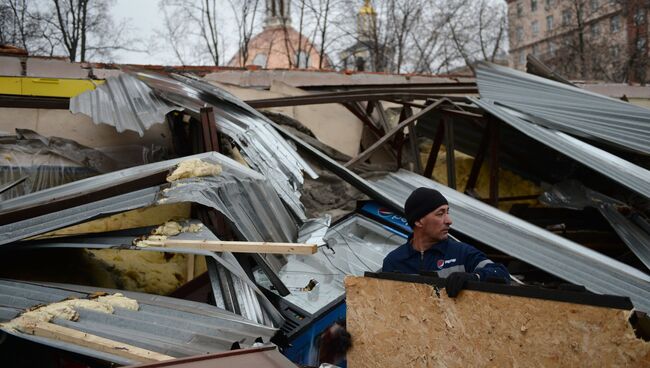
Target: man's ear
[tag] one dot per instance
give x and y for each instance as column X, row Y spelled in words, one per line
column 418, row 224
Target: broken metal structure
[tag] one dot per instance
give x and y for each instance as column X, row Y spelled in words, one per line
column 521, row 123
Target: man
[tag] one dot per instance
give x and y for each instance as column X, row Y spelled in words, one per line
column 429, row 249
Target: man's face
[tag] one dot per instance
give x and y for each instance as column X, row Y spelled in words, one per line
column 435, row 225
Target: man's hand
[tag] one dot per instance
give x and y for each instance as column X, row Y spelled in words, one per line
column 457, row 281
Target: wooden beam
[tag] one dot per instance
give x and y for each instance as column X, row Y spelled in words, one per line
column 407, row 112
column 494, row 162
column 236, row 246
column 383, row 120
column 209, row 130
column 355, row 109
column 450, row 148
column 367, row 153
column 94, row 342
column 435, row 148
column 478, row 160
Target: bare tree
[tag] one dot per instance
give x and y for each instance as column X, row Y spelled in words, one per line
column 245, row 12
column 192, row 30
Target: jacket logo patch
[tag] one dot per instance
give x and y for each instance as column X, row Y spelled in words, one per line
column 440, row 263
column 448, row 261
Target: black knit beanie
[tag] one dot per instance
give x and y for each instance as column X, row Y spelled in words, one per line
column 421, row 202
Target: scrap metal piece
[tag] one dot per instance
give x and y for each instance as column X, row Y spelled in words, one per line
column 170, row 326
column 632, row 231
column 529, row 243
column 626, row 173
column 567, row 108
column 123, row 102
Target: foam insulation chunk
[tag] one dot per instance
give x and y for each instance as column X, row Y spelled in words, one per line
column 194, row 168
column 67, row 309
column 401, row 324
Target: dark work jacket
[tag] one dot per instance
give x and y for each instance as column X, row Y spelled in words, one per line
column 444, row 258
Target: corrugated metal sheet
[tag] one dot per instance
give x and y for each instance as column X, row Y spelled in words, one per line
column 529, row 243
column 614, row 167
column 239, row 193
column 566, row 108
column 261, row 146
column 170, row 326
column 123, row 102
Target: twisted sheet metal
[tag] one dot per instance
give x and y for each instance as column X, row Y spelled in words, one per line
column 567, row 108
column 123, row 102
column 631, row 230
column 170, row 326
column 261, row 146
column 529, row 243
column 626, row 173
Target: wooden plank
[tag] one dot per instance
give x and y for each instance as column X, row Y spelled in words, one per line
column 72, row 336
column 407, row 112
column 478, row 160
column 367, row 153
column 450, row 150
column 236, row 246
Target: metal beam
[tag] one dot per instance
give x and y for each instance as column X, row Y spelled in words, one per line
column 367, row 153
column 494, row 161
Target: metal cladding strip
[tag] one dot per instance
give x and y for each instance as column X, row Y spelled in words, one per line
column 529, row 243
column 41, row 224
column 109, row 180
column 624, row 172
column 633, row 236
column 123, row 102
column 167, row 325
column 567, row 108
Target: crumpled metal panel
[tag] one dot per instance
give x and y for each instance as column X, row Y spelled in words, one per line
column 353, row 246
column 171, row 326
column 123, row 102
column 239, row 193
column 632, row 176
column 261, row 146
column 529, row 243
column 576, row 196
column 567, row 108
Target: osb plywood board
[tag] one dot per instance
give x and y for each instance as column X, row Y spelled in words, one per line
column 398, row 324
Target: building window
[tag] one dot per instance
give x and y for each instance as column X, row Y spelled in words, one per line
column 615, row 23
column 520, row 34
column 548, row 4
column 566, row 17
column 593, row 5
column 614, row 51
column 535, row 28
column 522, row 58
column 549, row 23
column 533, row 5
column 552, row 48
column 520, row 9
column 639, row 16
column 260, row 60
column 595, row 30
column 641, row 44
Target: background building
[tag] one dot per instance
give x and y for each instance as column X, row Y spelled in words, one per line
column 582, row 39
column 279, row 45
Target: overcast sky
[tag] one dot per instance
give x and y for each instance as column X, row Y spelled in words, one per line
column 144, row 16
